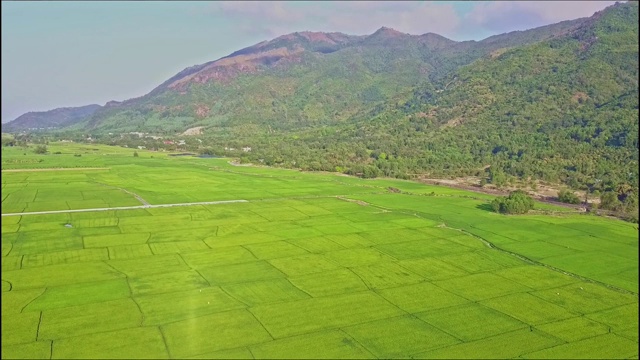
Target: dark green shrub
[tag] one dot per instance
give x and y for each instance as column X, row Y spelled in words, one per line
column 567, row 196
column 518, row 202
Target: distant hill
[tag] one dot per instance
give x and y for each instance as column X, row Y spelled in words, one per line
column 52, row 119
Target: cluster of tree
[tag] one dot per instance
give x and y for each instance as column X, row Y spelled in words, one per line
column 40, row 149
column 568, row 196
column 518, row 202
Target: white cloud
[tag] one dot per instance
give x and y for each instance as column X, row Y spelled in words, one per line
column 505, row 16
column 270, row 19
column 351, row 17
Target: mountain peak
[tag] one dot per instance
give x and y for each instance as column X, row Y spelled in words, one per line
column 387, row 31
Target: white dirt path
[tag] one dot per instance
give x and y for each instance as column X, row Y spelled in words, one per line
column 125, row 208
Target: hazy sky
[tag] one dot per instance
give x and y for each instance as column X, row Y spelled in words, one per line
column 57, row 54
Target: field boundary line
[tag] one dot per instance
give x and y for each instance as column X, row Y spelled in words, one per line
column 126, row 207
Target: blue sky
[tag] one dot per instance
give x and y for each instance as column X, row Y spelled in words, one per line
column 58, row 54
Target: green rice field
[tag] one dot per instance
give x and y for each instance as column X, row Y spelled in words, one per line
column 310, row 265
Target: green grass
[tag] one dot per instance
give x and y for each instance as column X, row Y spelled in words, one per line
column 296, row 272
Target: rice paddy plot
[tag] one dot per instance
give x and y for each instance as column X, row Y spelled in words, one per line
column 250, row 271
column 304, row 264
column 528, row 308
column 80, row 294
column 317, row 244
column 421, row 297
column 20, row 328
column 10, row 228
column 177, row 247
column 236, row 353
column 11, row 220
column 51, row 205
column 574, row 329
column 134, row 343
column 306, row 316
column 129, row 251
column 88, row 318
column 186, row 234
column 504, row 346
column 332, row 344
column 215, row 242
column 482, row 260
column 538, row 250
column 311, row 210
column 399, row 336
column 296, row 232
column 216, row 257
column 63, row 274
column 357, row 256
column 421, row 248
column 170, row 307
column 234, row 328
column 338, row 227
column 106, row 230
column 385, row 274
column 167, row 282
column 471, row 321
column 432, row 268
column 327, row 283
column 101, row 241
column 264, row 291
column 11, row 263
column 43, row 227
column 579, row 243
column 30, row 350
column 274, row 250
column 481, row 286
column 156, row 264
column 608, row 346
column 618, row 318
column 536, row 277
column 378, row 225
column 585, row 298
column 96, row 222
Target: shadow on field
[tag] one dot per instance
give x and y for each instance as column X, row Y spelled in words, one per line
column 485, row 207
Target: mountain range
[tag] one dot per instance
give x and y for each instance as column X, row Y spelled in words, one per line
column 556, row 103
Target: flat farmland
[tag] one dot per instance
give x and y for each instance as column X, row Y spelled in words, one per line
column 312, row 265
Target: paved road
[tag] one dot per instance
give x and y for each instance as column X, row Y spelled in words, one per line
column 124, row 208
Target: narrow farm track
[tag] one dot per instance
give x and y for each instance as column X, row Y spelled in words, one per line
column 125, row 208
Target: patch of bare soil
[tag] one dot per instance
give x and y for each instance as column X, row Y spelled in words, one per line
column 194, row 131
column 359, row 202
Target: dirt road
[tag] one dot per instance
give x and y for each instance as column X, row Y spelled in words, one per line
column 125, row 208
